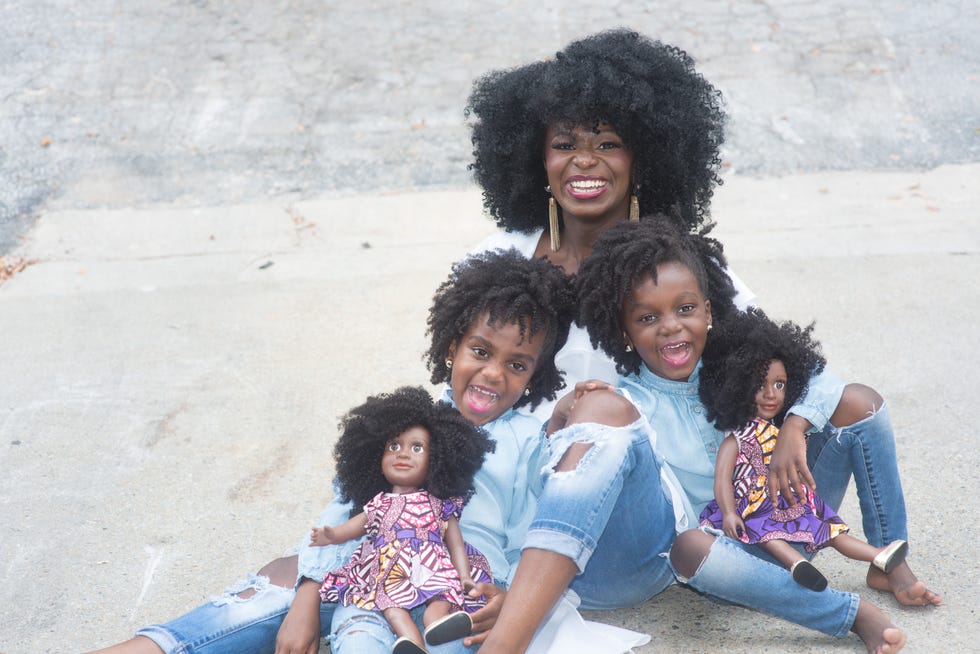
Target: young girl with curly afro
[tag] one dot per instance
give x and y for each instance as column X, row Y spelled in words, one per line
column 494, row 325
column 753, row 370
column 407, row 465
column 631, row 469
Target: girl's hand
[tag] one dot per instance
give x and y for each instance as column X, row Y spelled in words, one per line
column 300, row 629
column 322, row 536
column 733, row 526
column 788, row 468
column 485, row 618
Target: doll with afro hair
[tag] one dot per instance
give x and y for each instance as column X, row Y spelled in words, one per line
column 409, row 462
column 753, row 369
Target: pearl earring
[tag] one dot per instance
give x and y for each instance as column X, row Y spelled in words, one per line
column 449, row 364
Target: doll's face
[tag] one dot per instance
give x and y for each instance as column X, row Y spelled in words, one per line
column 769, row 399
column 405, row 462
column 492, row 365
column 667, row 322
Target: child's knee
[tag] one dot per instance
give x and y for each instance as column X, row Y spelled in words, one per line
column 689, row 551
column 605, row 408
column 857, row 403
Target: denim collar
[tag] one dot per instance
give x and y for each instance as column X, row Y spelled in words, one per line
column 656, row 383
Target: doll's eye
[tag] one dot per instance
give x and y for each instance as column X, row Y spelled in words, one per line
column 780, row 385
column 394, row 447
column 418, row 449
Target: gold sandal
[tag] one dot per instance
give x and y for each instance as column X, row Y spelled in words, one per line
column 891, row 556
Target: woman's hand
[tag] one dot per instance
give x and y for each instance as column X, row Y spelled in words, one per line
column 485, row 618
column 788, row 468
column 300, row 629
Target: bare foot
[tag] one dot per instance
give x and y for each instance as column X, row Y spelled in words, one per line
column 902, row 583
column 880, row 636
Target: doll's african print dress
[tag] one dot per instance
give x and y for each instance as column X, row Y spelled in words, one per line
column 404, row 561
column 810, row 521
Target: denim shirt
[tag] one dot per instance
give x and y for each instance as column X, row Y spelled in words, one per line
column 687, row 442
column 494, row 521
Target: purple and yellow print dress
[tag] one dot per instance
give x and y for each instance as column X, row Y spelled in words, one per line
column 810, row 521
column 404, row 561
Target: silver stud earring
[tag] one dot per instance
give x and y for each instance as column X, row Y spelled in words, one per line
column 629, row 348
column 709, row 326
column 449, row 364
column 527, row 392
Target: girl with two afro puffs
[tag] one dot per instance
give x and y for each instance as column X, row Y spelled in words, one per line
column 754, row 370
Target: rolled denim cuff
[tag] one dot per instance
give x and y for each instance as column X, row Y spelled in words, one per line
column 820, row 400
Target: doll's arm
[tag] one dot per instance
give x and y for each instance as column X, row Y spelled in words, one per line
column 732, row 523
column 787, row 467
column 457, row 552
column 353, row 528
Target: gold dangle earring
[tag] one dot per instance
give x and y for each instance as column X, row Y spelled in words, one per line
column 634, row 206
column 553, row 221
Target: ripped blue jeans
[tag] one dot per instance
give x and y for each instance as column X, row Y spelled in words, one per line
column 358, row 631
column 866, row 451
column 609, row 515
column 232, row 625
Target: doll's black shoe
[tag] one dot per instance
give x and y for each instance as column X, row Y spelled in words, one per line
column 406, row 645
column 449, row 627
column 806, row 574
column 891, row 556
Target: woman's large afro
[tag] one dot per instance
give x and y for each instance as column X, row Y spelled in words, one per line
column 669, row 116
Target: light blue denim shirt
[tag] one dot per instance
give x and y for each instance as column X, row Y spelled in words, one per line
column 686, row 440
column 496, row 518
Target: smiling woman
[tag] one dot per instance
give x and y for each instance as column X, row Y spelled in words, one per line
column 590, row 173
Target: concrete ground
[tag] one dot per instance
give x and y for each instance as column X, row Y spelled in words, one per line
column 235, row 215
column 173, row 377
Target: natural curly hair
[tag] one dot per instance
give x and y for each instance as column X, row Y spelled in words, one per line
column 628, row 252
column 511, row 289
column 736, row 360
column 667, row 114
column 456, row 447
